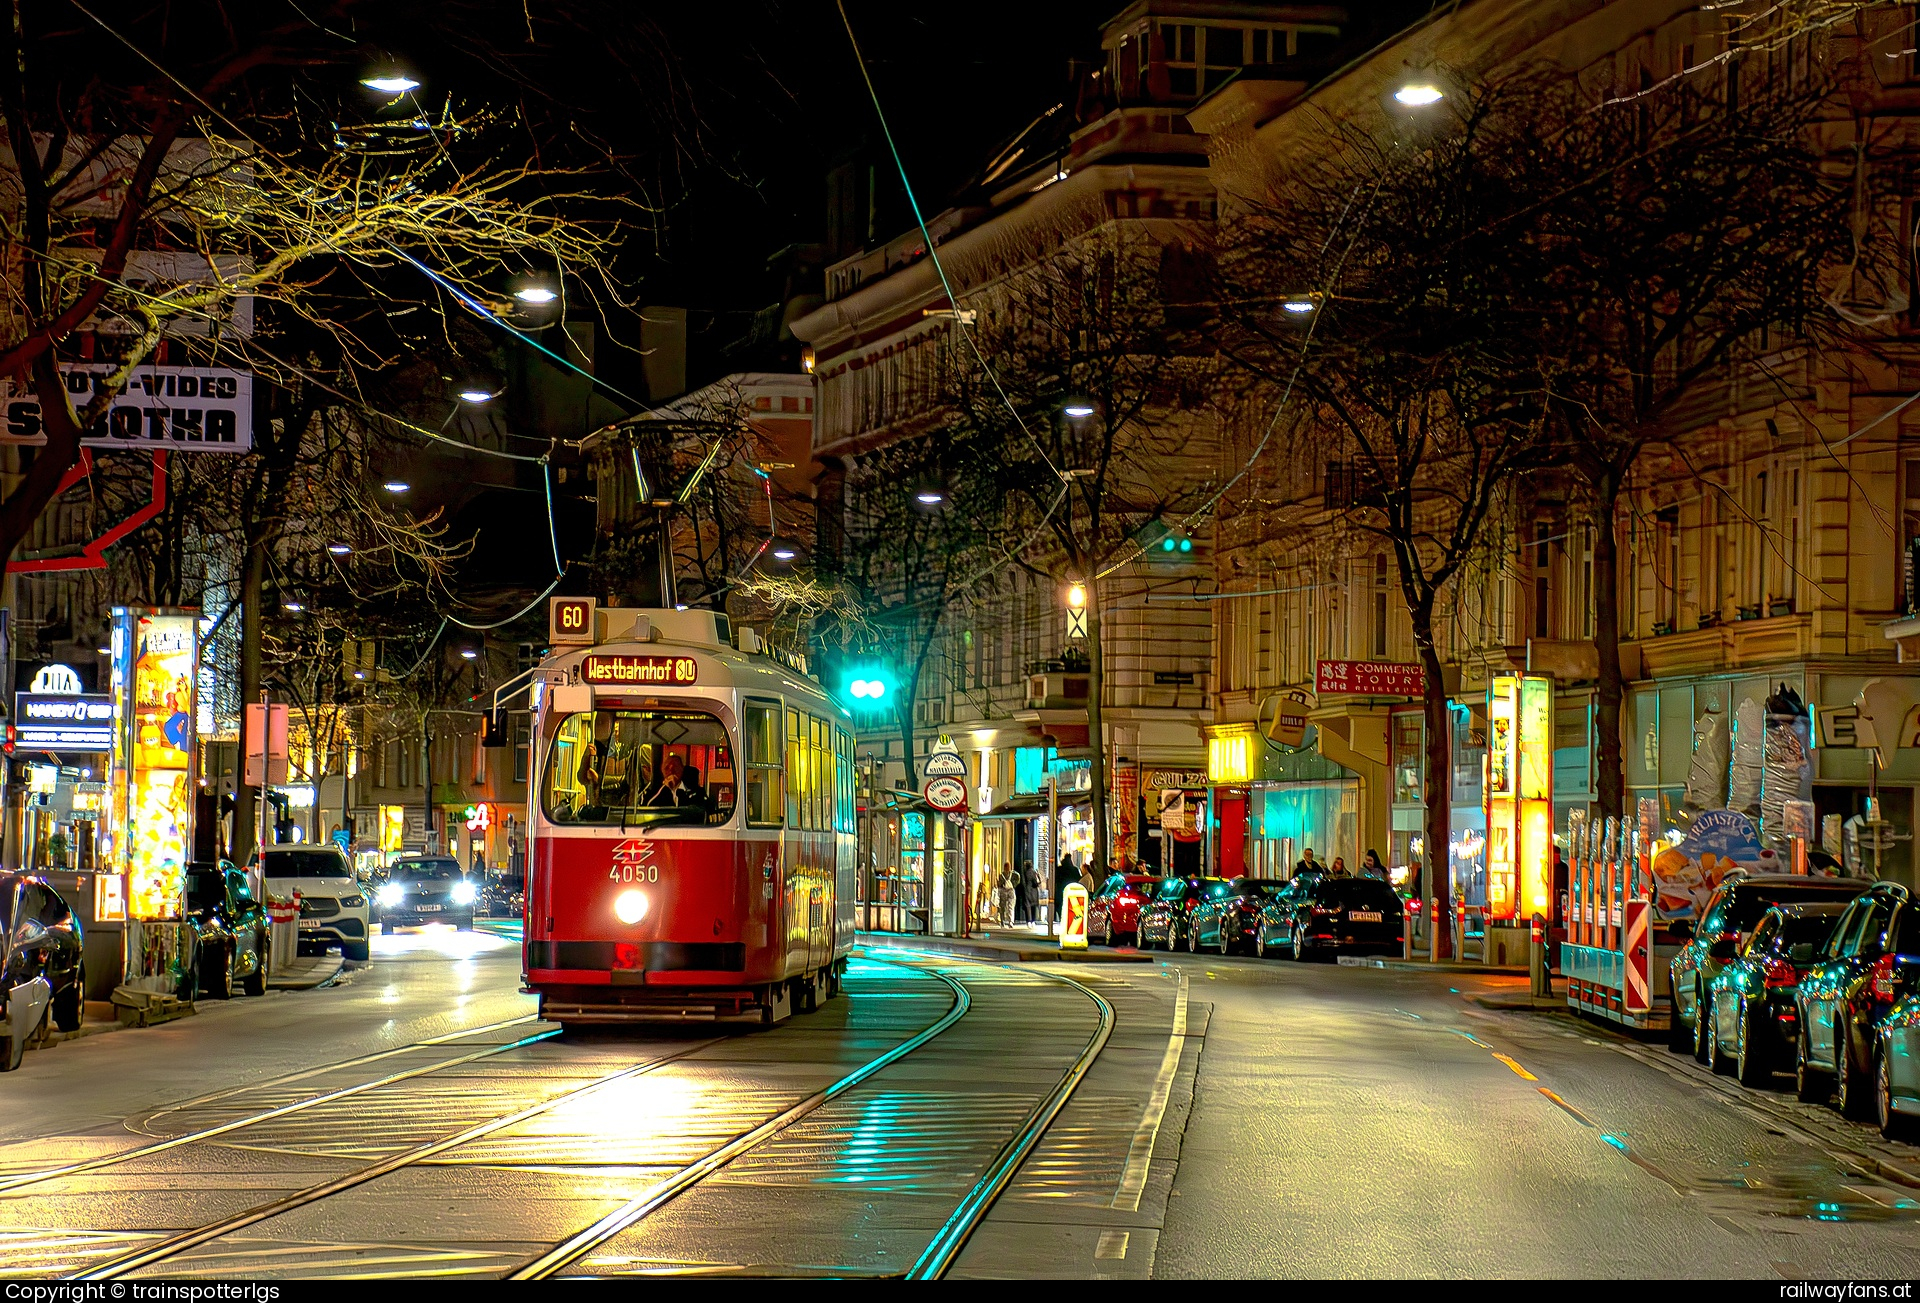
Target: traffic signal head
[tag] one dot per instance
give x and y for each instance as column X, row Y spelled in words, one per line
column 1161, row 540
column 868, row 685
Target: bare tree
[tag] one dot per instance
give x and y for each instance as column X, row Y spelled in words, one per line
column 1092, row 420
column 1416, row 385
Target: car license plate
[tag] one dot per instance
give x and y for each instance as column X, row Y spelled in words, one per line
column 435, row 909
column 1363, row 916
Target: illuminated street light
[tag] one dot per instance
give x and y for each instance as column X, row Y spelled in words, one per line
column 784, row 552
column 396, row 486
column 1078, row 408
column 1299, row 306
column 468, row 653
column 293, row 606
column 395, row 83
column 1077, row 596
column 1416, row 95
column 339, row 549
column 535, row 294
column 474, row 396
column 930, row 497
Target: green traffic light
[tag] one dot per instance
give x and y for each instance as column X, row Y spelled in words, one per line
column 1168, row 544
column 1186, row 545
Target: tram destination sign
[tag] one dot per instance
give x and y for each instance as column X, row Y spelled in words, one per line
column 64, row 721
column 640, row 671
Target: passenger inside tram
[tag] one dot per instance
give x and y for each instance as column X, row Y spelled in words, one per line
column 625, row 767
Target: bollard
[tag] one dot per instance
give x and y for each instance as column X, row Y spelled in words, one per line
column 1537, row 957
column 1407, row 919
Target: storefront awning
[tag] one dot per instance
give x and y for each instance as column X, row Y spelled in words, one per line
column 1018, row 807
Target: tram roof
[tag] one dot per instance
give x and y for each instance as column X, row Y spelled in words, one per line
column 702, row 634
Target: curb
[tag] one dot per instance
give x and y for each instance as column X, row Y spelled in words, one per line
column 307, row 974
column 1006, row 953
column 1423, row 966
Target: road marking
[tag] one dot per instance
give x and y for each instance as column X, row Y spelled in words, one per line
column 1133, row 1178
column 1113, row 1244
column 1573, row 1112
column 1524, row 1074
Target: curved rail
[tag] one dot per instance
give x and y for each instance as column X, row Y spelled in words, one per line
column 576, row 1246
column 953, row 1236
column 174, row 1245
column 299, row 1105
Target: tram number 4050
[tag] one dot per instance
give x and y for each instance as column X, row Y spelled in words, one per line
column 634, row 873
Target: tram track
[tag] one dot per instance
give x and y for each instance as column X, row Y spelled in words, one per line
column 985, row 1175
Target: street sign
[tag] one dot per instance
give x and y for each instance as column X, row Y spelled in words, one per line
column 1289, row 724
column 266, row 744
column 945, row 793
column 570, row 620
column 1076, row 624
column 1073, row 917
column 946, row 764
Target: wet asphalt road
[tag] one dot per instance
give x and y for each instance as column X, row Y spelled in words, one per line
column 1319, row 1122
column 1358, row 1122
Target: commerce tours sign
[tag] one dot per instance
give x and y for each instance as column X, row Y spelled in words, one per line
column 1369, row 679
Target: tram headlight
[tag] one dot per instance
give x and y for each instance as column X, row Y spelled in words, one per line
column 630, row 906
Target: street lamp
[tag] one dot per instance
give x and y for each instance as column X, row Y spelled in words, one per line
column 1419, row 94
column 396, row 486
column 292, row 606
column 339, row 549
column 468, row 653
column 784, row 552
column 390, row 83
column 1299, row 305
column 1077, row 408
column 475, row 396
column 1077, row 596
column 537, row 295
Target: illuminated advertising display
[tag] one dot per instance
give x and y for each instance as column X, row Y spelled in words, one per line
column 155, row 659
column 80, row 722
column 1519, row 803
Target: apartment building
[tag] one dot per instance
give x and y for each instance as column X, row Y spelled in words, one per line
column 1761, row 541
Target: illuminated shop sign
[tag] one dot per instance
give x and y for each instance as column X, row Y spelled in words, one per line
column 64, row 723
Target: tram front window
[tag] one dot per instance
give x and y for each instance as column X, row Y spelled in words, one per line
column 624, row 768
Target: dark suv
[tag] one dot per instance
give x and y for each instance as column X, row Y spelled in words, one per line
column 1845, row 994
column 1731, row 914
column 1352, row 914
column 232, row 934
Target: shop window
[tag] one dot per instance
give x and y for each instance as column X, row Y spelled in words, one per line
column 1409, row 758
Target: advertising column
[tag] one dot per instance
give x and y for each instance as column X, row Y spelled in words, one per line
column 154, row 658
column 1519, row 797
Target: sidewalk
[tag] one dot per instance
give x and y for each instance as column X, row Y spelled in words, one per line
column 305, row 973
column 1015, row 949
column 1428, row 966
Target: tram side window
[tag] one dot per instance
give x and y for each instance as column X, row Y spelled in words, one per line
column 765, row 775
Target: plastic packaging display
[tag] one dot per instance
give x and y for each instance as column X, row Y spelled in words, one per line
column 1788, row 771
column 1707, row 774
column 1749, row 758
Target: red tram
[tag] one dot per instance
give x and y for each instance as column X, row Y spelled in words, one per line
column 692, row 828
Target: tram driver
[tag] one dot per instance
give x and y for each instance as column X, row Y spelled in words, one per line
column 611, row 769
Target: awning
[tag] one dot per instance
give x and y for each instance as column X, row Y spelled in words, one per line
column 1017, row 807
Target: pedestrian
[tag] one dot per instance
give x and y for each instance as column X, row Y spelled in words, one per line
column 1021, row 894
column 1086, row 880
column 1339, row 869
column 1308, row 864
column 1371, row 867
column 1413, row 878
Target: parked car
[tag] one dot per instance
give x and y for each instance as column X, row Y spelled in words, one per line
column 1229, row 918
column 1897, row 1053
column 1351, row 914
column 1753, row 1027
column 1847, row 992
column 1277, row 912
column 1730, row 914
column 39, row 942
column 1114, row 911
column 333, row 908
column 504, row 896
column 232, row 934
column 1163, row 922
column 429, row 889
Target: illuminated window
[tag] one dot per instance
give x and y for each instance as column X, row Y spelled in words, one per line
column 765, row 778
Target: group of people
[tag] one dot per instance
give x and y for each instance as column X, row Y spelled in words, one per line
column 1019, row 896
column 1370, row 867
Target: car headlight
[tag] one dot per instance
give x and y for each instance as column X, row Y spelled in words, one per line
column 392, row 894
column 463, row 892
